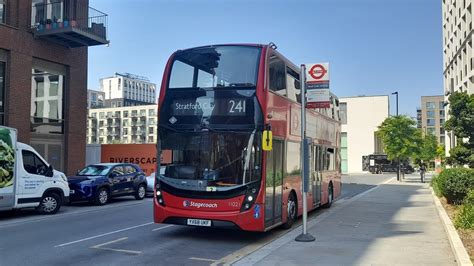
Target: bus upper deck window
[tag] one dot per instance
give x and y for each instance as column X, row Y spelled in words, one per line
column 277, row 76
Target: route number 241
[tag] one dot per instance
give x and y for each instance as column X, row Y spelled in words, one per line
column 237, row 106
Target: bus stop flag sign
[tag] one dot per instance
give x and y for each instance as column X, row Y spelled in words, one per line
column 317, row 85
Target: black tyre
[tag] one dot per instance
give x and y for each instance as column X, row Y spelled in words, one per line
column 102, row 196
column 50, row 204
column 292, row 211
column 140, row 193
column 330, row 197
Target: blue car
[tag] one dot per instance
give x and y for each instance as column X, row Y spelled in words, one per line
column 97, row 183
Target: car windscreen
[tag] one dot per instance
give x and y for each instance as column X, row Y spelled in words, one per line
column 92, row 170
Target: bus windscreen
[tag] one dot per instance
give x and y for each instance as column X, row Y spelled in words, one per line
column 220, row 159
column 211, row 67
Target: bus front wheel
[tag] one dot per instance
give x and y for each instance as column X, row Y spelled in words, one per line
column 292, row 211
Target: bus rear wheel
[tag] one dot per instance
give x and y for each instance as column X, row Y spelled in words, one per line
column 292, row 211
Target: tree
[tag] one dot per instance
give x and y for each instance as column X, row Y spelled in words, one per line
column 461, row 123
column 441, row 152
column 427, row 148
column 400, row 137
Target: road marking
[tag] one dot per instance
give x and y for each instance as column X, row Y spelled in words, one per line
column 202, row 259
column 101, row 235
column 100, row 246
column 110, row 242
column 164, row 227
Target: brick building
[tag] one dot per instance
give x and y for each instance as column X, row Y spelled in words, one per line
column 43, row 74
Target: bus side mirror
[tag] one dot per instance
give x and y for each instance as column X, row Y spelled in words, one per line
column 267, row 138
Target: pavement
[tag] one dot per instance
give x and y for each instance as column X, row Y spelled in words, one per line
column 392, row 223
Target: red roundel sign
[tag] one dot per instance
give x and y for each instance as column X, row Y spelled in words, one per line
column 317, row 71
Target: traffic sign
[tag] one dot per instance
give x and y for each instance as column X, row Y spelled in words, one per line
column 317, row 73
column 317, row 86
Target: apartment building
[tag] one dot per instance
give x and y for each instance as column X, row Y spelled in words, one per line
column 43, row 74
column 433, row 116
column 125, row 89
column 458, row 61
column 95, row 99
column 129, row 124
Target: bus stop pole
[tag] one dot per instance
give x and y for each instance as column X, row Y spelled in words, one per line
column 304, row 237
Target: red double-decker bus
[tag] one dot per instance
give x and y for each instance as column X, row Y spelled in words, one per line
column 217, row 103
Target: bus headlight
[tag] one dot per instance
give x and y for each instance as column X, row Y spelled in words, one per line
column 158, row 194
column 250, row 196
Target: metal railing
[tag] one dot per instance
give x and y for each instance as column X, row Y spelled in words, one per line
column 66, row 14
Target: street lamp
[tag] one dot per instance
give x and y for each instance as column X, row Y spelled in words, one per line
column 396, row 93
column 398, row 160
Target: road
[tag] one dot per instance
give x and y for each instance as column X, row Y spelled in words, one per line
column 123, row 232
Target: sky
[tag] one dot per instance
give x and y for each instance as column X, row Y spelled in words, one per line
column 374, row 47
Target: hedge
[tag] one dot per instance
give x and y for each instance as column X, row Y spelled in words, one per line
column 454, row 184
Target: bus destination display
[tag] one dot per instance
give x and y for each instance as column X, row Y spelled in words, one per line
column 209, row 107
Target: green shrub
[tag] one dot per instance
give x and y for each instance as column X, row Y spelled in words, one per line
column 439, row 183
column 455, row 183
column 465, row 217
column 435, row 186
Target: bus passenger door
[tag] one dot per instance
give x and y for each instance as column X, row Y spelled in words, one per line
column 316, row 175
column 274, row 184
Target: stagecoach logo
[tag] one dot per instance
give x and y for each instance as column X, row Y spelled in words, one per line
column 173, row 120
column 189, row 203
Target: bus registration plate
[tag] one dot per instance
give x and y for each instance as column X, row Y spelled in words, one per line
column 199, row 222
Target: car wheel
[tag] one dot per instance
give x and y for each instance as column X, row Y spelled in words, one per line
column 141, row 192
column 330, row 197
column 50, row 204
column 292, row 211
column 102, row 196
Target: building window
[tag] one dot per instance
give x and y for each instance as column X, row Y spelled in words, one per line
column 47, row 98
column 430, row 114
column 101, row 115
column 441, row 105
column 441, row 121
column 441, row 113
column 151, row 112
column 430, row 105
column 3, row 12
column 430, row 122
column 150, row 130
column 343, row 112
column 441, row 131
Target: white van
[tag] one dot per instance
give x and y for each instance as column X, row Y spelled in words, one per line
column 26, row 179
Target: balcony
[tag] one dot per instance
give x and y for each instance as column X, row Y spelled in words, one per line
column 69, row 24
